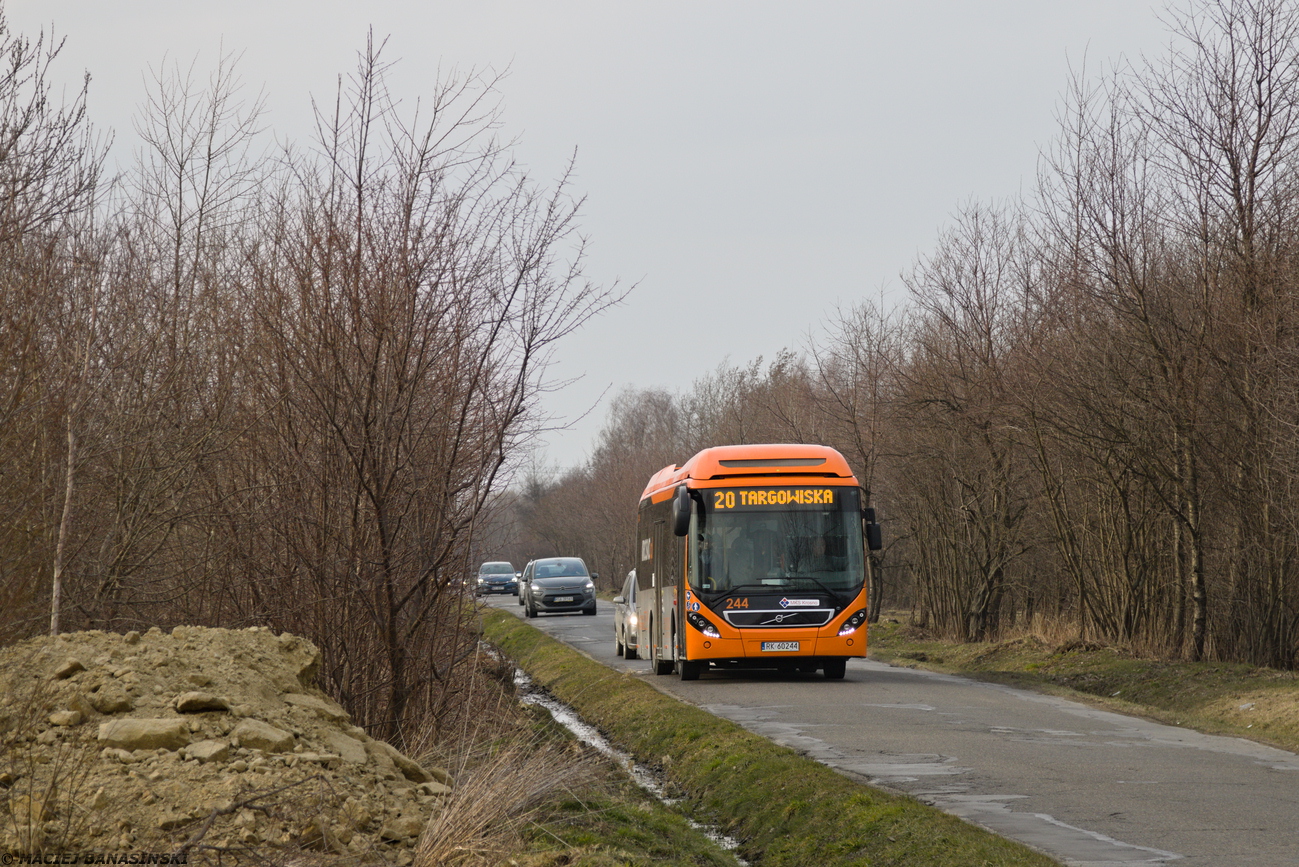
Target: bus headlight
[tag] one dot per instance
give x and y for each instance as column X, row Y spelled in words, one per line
column 703, row 624
column 852, row 624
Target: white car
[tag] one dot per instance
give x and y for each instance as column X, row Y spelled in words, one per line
column 624, row 619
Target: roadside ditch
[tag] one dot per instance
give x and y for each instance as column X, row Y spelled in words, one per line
column 642, row 776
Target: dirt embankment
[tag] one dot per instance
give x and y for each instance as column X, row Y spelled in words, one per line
column 210, row 742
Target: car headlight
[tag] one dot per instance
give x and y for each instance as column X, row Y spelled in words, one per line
column 590, row 585
column 631, row 619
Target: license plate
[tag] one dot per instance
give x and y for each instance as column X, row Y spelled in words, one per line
column 779, row 646
column 562, row 599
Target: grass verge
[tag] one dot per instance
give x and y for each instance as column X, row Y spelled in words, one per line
column 1261, row 704
column 619, row 827
column 786, row 810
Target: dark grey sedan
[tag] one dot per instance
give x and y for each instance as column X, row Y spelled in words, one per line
column 497, row 576
column 557, row 584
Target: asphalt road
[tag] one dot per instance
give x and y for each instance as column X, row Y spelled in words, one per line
column 1086, row 786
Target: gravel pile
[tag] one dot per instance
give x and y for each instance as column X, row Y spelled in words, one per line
column 210, row 744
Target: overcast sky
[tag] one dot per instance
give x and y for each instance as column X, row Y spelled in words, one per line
column 747, row 165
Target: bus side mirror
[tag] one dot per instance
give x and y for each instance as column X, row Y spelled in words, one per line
column 874, row 538
column 681, row 512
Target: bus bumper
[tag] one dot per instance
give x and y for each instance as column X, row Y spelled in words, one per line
column 775, row 648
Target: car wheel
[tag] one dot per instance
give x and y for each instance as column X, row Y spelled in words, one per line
column 520, row 600
column 628, row 652
column 589, row 611
column 835, row 669
column 531, row 610
column 618, row 646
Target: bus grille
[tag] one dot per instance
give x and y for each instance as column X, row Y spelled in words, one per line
column 778, row 617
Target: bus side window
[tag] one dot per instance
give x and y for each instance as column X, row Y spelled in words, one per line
column 643, row 577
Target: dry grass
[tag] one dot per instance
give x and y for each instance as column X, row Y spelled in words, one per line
column 509, row 762
column 494, row 802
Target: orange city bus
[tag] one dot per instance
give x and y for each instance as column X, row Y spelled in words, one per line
column 753, row 556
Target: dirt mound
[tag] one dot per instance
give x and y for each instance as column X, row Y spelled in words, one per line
column 209, row 742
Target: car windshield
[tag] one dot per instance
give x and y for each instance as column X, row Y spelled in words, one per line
column 560, row 569
column 496, row 569
column 796, row 538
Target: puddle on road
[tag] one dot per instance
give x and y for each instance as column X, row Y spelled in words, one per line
column 568, row 718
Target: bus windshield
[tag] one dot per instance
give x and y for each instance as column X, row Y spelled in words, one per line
column 797, row 538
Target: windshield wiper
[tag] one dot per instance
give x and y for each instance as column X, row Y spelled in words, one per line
column 833, row 594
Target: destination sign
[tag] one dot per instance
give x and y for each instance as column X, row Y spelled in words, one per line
column 770, row 498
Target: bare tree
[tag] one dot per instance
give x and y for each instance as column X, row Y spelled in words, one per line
column 858, row 363
column 409, row 293
column 1224, row 110
column 50, row 163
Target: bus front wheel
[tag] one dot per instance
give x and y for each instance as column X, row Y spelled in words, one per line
column 835, row 668
column 690, row 669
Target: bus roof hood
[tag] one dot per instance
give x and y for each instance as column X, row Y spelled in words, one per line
column 771, row 459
